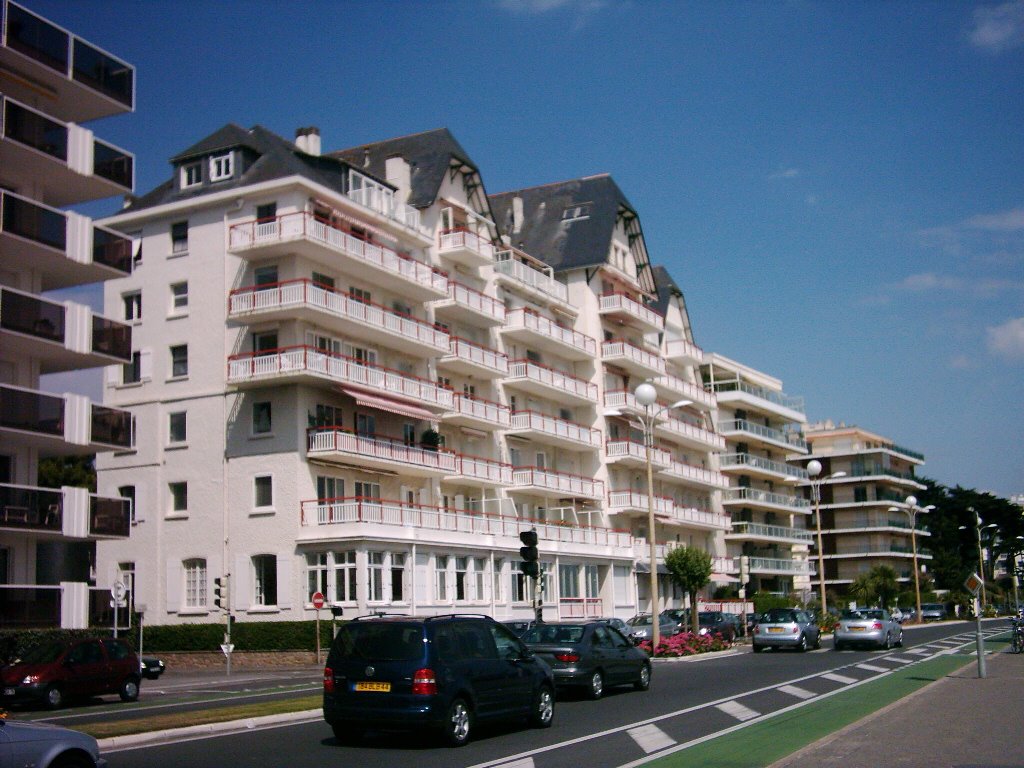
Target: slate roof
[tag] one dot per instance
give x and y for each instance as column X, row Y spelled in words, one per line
column 666, row 290
column 564, row 245
column 429, row 155
column 267, row 156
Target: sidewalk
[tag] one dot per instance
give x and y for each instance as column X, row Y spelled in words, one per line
column 960, row 721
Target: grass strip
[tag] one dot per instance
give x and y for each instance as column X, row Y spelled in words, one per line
column 106, row 729
column 772, row 739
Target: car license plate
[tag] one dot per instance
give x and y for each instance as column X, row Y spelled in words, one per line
column 857, row 629
column 775, row 630
column 8, row 691
column 382, row 687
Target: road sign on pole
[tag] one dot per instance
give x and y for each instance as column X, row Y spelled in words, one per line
column 973, row 584
column 318, row 602
column 226, row 648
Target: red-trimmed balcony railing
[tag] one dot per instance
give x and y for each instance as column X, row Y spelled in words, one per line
column 623, row 449
column 621, row 302
column 561, row 482
column 461, row 238
column 474, row 299
column 486, row 470
column 620, row 348
column 339, row 440
column 477, row 407
column 549, row 425
column 468, row 351
column 527, row 369
column 524, row 317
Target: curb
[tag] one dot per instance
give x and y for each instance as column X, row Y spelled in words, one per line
column 149, row 738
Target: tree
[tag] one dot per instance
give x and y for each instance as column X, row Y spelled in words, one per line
column 863, row 589
column 885, row 583
column 77, row 471
column 690, row 570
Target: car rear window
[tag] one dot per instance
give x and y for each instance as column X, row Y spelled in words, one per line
column 380, row 642
column 554, row 634
column 777, row 615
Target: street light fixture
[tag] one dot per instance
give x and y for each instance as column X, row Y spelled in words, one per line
column 813, row 471
column 978, row 528
column 646, row 395
column 912, row 511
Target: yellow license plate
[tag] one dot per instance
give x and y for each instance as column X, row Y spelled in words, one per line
column 775, row 630
column 383, row 687
column 857, row 629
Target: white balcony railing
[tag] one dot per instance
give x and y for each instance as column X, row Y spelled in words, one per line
column 750, row 461
column 473, row 299
column 780, row 565
column 507, row 264
column 638, row 501
column 782, row 437
column 485, row 470
column 463, row 239
column 621, row 349
column 334, row 440
column 462, row 349
column 760, row 530
column 776, row 398
column 620, row 302
column 679, row 387
column 681, row 349
column 531, row 371
column 549, row 425
column 695, row 474
column 693, row 433
column 766, row 497
column 623, row 449
column 485, row 410
column 560, row 482
column 524, row 317
column 375, row 196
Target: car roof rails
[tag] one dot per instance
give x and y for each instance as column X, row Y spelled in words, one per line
column 458, row 616
column 381, row 615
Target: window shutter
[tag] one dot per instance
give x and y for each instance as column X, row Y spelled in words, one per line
column 146, row 364
column 174, row 575
column 284, row 580
column 241, row 576
column 423, row 578
column 139, row 507
column 113, row 375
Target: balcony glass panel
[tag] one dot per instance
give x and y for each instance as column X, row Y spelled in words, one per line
column 29, row 607
column 111, row 338
column 109, row 516
column 103, row 72
column 111, row 249
column 35, row 130
column 36, row 38
column 113, row 164
column 24, row 313
column 111, row 427
column 31, row 411
column 34, row 222
column 29, row 507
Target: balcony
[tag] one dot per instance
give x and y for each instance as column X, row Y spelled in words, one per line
column 756, row 498
column 565, row 485
column 309, row 364
column 673, row 388
column 628, row 453
column 67, row 163
column 666, row 511
column 464, row 247
column 759, row 466
column 743, row 395
column 28, row 508
column 63, row 425
column 549, row 430
column 692, row 517
column 468, row 305
column 684, row 352
column 532, row 328
column 304, row 234
column 537, row 379
column 471, row 359
column 872, row 522
column 694, row 475
column 481, row 472
column 530, row 276
column 747, row 531
column 383, row 453
column 477, row 413
column 380, row 199
column 758, row 433
column 630, row 357
column 109, row 518
column 82, row 81
column 882, row 473
column 65, row 248
column 781, row 566
column 59, row 337
column 875, row 550
column 689, row 434
column 309, row 302
column 628, row 311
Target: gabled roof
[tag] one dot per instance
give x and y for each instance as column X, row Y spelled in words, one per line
column 566, row 244
column 228, row 137
column 430, row 156
column 666, row 288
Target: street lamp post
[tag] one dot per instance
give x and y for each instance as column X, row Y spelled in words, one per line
column 978, row 528
column 646, row 395
column 813, row 471
column 912, row 510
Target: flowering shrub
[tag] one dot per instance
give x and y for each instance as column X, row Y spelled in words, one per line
column 828, row 624
column 686, row 644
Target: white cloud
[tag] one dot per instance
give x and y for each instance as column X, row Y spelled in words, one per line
column 1006, row 340
column 785, row 173
column 1007, row 221
column 961, row 363
column 998, row 28
column 543, row 6
column 978, row 287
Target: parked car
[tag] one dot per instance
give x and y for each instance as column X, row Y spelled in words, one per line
column 152, row 667
column 786, row 628
column 54, row 672
column 519, row 626
column 898, row 615
column 591, row 655
column 619, row 624
column 43, row 745
column 933, row 612
column 441, row 673
column 867, row 626
column 680, row 616
column 716, row 623
column 641, row 627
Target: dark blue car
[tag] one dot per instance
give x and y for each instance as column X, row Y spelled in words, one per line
column 439, row 673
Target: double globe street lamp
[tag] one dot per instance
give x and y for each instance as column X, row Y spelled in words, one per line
column 813, row 472
column 912, row 511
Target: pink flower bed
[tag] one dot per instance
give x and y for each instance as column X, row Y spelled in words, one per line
column 686, row 644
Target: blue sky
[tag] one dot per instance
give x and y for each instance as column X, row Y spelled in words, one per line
column 838, row 188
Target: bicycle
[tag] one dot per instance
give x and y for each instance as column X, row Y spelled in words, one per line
column 1017, row 636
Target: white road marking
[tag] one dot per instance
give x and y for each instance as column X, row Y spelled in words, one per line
column 839, row 678
column 872, row 668
column 898, row 660
column 526, row 762
column 922, row 651
column 651, row 738
column 800, row 693
column 737, row 710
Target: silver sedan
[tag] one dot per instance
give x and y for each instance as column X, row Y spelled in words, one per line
column 867, row 626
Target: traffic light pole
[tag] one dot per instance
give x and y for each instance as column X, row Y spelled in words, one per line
column 531, row 568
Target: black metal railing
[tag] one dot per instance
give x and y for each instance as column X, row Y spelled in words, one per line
column 31, row 411
column 24, row 313
column 34, row 508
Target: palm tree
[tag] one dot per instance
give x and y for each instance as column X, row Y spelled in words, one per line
column 863, row 589
column 886, row 587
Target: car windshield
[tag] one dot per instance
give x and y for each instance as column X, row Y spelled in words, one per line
column 708, row 616
column 931, row 607
column 778, row 616
column 382, row 642
column 554, row 633
column 640, row 621
column 42, row 654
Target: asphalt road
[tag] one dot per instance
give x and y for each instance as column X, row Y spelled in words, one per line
column 687, row 701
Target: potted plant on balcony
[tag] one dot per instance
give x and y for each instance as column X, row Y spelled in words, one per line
column 430, row 440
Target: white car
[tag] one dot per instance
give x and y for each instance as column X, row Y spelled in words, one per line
column 44, row 746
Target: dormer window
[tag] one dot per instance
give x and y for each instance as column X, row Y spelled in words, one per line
column 576, row 212
column 191, row 175
column 220, row 167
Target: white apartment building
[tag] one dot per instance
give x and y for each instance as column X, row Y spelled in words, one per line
column 761, row 426
column 865, row 520
column 51, row 81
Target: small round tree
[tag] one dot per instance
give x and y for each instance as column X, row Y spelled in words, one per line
column 690, row 570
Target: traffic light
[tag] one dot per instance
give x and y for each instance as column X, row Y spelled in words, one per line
column 529, row 553
column 220, row 592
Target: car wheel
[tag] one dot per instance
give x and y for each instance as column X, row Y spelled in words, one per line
column 54, row 697
column 129, row 690
column 644, row 680
column 887, row 645
column 757, row 648
column 802, row 645
column 458, row 723
column 71, row 761
column 817, row 641
column 836, row 645
column 899, row 640
column 596, row 685
column 543, row 708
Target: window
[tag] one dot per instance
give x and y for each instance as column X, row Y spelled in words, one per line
column 324, row 281
column 266, row 212
column 262, row 422
column 368, row 490
column 179, row 297
column 264, row 343
column 860, row 493
column 263, row 492
column 366, row 425
column 397, row 577
column 191, row 175
column 266, row 275
column 316, row 574
column 128, row 492
column 220, row 167
column 441, row 578
column 575, row 212
column 179, row 237
column 265, row 573
column 497, row 595
column 461, row 567
column 327, row 416
column 344, row 577
column 479, row 569
column 132, row 303
column 375, row 582
column 568, row 581
column 176, row 432
column 179, row 497
column 195, row 583
column 409, row 434
column 179, row 361
column 360, row 294
column 592, row 580
column 131, row 373
column 519, row 593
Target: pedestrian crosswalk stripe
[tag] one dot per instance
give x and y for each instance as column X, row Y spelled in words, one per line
column 872, row 668
column 737, row 710
column 839, row 678
column 800, row 693
column 650, row 738
column 526, row 762
column 922, row 651
column 897, row 659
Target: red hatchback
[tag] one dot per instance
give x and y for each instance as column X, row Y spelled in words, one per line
column 53, row 672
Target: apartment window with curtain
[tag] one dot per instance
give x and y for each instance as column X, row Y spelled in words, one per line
column 179, row 237
column 441, row 578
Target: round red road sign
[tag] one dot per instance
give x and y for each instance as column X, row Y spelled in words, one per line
column 317, row 600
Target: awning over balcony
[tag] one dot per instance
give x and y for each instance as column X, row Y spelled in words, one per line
column 724, row 578
column 389, row 404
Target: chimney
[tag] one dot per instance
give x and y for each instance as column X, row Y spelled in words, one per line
column 308, row 140
column 517, row 214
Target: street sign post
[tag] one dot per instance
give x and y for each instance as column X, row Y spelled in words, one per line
column 974, row 585
column 318, row 602
column 117, row 591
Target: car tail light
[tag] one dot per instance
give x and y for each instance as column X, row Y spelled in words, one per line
column 877, row 625
column 757, row 628
column 423, row 682
column 568, row 658
column 794, row 630
column 328, row 680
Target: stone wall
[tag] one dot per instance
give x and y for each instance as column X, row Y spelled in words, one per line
column 239, row 659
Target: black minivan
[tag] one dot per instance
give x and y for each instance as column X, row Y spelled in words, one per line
column 443, row 673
